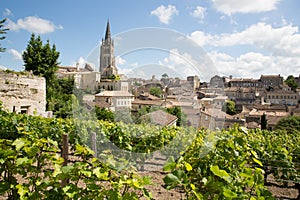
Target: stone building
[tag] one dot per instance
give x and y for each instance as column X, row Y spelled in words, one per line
column 271, row 81
column 282, row 97
column 115, row 99
column 160, row 118
column 297, row 80
column 244, row 82
column 108, row 68
column 217, row 119
column 242, row 95
column 194, row 81
column 216, row 82
column 84, row 78
column 23, row 93
column 107, row 58
column 272, row 117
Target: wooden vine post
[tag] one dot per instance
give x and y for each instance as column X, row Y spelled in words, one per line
column 94, row 143
column 64, row 155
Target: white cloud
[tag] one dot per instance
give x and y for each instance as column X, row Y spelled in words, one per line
column 244, row 6
column 175, row 59
column 135, row 64
column 79, row 63
column 7, row 12
column 182, row 63
column 120, row 61
column 137, row 73
column 2, row 67
column 253, row 64
column 199, row 13
column 284, row 40
column 216, row 56
column 280, row 41
column 16, row 54
column 33, row 24
column 201, row 38
column 280, row 44
column 125, row 71
column 164, row 13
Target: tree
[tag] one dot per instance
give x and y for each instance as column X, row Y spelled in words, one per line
column 123, row 115
column 165, row 75
column 181, row 117
column 263, row 122
column 60, row 96
column 291, row 124
column 104, row 114
column 290, row 81
column 229, row 107
column 41, row 59
column 2, row 32
column 156, row 91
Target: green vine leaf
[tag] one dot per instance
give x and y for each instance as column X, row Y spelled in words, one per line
column 220, row 173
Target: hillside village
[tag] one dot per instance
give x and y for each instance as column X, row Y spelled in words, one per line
column 266, row 99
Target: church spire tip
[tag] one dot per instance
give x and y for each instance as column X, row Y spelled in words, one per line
column 107, row 34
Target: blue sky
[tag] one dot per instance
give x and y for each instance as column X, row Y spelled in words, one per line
column 242, row 38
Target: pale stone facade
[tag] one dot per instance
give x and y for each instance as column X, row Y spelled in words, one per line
column 282, row 97
column 194, row 81
column 272, row 81
column 115, row 99
column 244, row 82
column 23, row 93
column 84, row 78
column 107, row 58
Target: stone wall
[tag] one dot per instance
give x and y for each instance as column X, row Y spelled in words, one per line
column 23, row 93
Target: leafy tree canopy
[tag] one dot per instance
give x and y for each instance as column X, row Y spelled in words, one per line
column 123, row 115
column 165, row 75
column 156, row 91
column 2, row 33
column 181, row 117
column 104, row 114
column 291, row 124
column 290, row 81
column 41, row 59
column 229, row 107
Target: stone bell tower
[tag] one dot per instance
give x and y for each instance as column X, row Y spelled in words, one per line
column 107, row 59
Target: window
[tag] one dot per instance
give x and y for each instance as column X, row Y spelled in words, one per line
column 24, row 109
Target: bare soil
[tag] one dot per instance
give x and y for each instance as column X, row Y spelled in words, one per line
column 154, row 168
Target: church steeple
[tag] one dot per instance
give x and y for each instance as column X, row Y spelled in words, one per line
column 107, row 58
column 107, row 33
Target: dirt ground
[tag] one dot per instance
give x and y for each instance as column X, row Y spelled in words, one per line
column 153, row 168
column 160, row 193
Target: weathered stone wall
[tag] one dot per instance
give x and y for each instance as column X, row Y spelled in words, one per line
column 22, row 93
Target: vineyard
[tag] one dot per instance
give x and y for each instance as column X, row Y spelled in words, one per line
column 230, row 164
